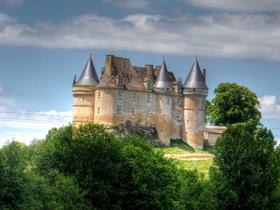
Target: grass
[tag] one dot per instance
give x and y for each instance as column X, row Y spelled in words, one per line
column 177, row 146
column 190, row 158
column 202, row 166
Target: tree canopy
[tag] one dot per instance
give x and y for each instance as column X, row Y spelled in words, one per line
column 233, row 104
column 246, row 169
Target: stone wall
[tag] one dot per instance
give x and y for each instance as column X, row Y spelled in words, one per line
column 83, row 104
column 194, row 115
column 172, row 115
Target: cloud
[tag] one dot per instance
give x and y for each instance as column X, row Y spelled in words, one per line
column 221, row 35
column 238, row 5
column 26, row 126
column 21, row 125
column 129, row 4
column 270, row 107
column 12, row 3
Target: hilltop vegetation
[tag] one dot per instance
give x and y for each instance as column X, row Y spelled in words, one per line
column 89, row 168
column 93, row 170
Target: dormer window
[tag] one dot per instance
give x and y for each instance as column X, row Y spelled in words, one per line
column 120, row 81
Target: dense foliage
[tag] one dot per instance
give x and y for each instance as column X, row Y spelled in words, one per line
column 233, row 104
column 247, row 169
column 89, row 168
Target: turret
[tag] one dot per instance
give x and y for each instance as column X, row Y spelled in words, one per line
column 164, row 89
column 83, row 94
column 88, row 76
column 163, row 83
column 195, row 92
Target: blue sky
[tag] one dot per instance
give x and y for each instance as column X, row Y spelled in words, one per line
column 44, row 43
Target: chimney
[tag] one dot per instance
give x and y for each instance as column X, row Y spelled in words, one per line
column 204, row 74
column 108, row 63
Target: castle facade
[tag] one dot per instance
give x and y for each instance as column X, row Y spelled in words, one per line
column 149, row 96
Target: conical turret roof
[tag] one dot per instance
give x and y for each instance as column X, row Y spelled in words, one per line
column 88, row 76
column 195, row 79
column 163, row 82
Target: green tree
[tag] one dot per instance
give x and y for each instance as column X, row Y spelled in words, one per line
column 21, row 188
column 246, row 170
column 118, row 173
column 54, row 191
column 13, row 162
column 233, row 104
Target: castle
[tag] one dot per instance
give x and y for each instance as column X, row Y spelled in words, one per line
column 149, row 96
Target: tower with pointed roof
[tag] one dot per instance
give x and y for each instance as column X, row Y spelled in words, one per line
column 164, row 93
column 195, row 92
column 148, row 96
column 84, row 94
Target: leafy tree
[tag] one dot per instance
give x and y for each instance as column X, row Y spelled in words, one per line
column 233, row 104
column 21, row 188
column 13, row 161
column 118, row 173
column 247, row 171
column 55, row 191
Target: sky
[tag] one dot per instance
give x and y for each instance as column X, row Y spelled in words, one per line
column 43, row 44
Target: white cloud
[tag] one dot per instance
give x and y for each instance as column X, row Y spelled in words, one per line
column 270, row 107
column 221, row 35
column 24, row 126
column 238, row 5
column 129, row 4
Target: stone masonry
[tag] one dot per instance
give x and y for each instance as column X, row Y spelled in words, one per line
column 148, row 96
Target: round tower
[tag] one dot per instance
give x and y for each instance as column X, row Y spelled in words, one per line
column 83, row 95
column 195, row 92
column 164, row 95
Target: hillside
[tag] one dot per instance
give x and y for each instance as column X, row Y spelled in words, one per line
column 190, row 158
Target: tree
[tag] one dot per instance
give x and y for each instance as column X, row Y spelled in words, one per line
column 233, row 104
column 13, row 161
column 246, row 170
column 118, row 173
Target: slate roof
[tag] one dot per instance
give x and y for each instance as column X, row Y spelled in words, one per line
column 163, row 82
column 195, row 78
column 88, row 76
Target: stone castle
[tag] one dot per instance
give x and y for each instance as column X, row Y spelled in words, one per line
column 148, row 96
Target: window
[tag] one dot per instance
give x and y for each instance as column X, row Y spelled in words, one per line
column 149, row 98
column 98, row 110
column 98, row 94
column 119, row 95
column 178, row 116
column 149, row 85
column 120, row 83
column 132, row 110
column 134, row 97
column 119, row 108
column 179, row 102
column 168, row 100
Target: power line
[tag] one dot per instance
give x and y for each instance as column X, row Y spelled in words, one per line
column 36, row 114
